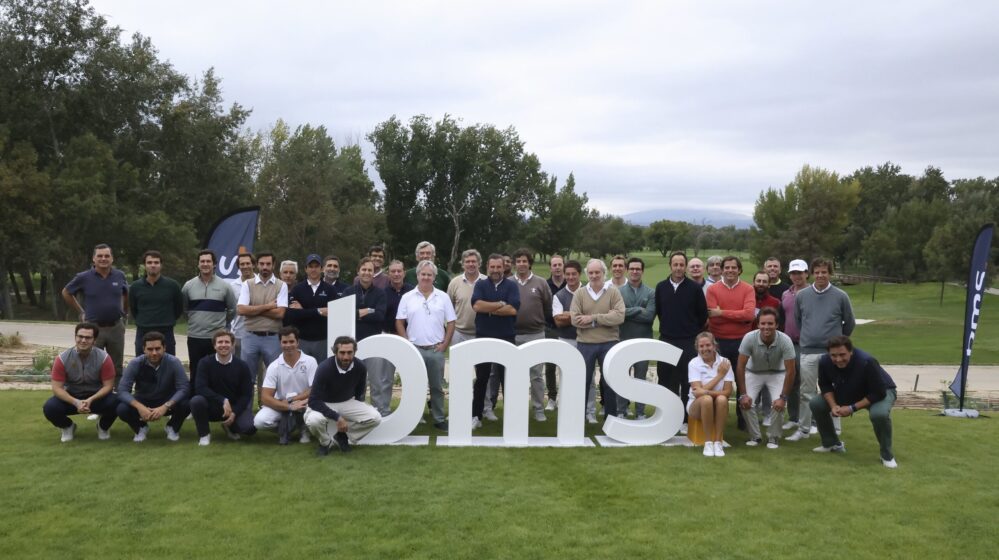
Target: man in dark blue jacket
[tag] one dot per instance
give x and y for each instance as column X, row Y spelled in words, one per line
column 154, row 385
column 307, row 309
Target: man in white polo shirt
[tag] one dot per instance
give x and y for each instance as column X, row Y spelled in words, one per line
column 285, row 392
column 766, row 359
column 426, row 318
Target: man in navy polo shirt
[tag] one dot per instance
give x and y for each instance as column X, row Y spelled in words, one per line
column 307, row 309
column 105, row 294
column 495, row 300
column 156, row 303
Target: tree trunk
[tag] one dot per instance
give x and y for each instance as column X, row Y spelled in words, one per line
column 6, row 305
column 13, row 284
column 29, row 286
column 43, row 291
column 56, row 297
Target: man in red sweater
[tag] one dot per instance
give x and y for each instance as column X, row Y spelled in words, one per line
column 731, row 312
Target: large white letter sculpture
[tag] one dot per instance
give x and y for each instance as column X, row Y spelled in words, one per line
column 517, row 360
column 668, row 417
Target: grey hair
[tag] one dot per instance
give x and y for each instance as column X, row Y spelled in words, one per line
column 395, row 262
column 424, row 264
column 423, row 245
column 292, row 264
column 602, row 264
column 471, row 252
column 713, row 260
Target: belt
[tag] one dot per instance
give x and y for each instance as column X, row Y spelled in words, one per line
column 107, row 323
column 431, row 347
column 263, row 333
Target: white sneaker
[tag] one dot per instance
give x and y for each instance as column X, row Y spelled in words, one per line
column 709, row 449
column 103, row 435
column 66, row 434
column 476, row 423
column 540, row 416
column 890, row 463
column 798, row 435
column 591, row 418
column 304, row 438
column 767, row 421
column 551, row 405
column 813, row 430
column 789, row 425
column 205, row 440
column 753, row 442
column 838, row 448
column 719, row 449
column 773, row 443
column 490, row 415
column 92, row 417
column 171, row 434
column 140, row 436
column 683, row 429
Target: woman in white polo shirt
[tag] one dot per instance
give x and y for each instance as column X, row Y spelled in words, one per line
column 711, row 379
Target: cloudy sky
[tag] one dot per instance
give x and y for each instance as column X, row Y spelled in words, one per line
column 650, row 104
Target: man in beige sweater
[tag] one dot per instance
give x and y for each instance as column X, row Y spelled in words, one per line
column 597, row 311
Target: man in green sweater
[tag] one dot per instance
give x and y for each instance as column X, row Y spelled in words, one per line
column 156, row 303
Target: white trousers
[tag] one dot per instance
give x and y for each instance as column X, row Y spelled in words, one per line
column 774, row 382
column 361, row 419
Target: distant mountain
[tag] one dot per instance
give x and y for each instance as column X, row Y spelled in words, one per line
column 713, row 218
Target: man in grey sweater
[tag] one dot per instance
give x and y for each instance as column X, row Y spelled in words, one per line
column 154, row 385
column 822, row 311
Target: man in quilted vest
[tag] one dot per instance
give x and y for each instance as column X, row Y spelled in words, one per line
column 82, row 380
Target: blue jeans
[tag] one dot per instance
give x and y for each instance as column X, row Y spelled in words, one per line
column 435, row 378
column 593, row 353
column 256, row 348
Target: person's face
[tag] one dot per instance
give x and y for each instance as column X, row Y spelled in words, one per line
column 153, row 349
column 495, row 270
column 572, row 278
column 706, row 349
column 344, row 355
column 635, row 272
column 377, row 259
column 153, row 266
column 84, row 340
column 206, row 264
column 617, row 268
column 772, row 267
column 425, row 278
column 840, row 356
column 523, row 266
column 507, row 265
column 223, row 346
column 103, row 259
column 289, row 344
column 730, row 271
column 595, row 274
column 471, row 265
column 266, row 267
column 425, row 254
column 396, row 274
column 332, row 269
column 557, row 267
column 768, row 327
column 821, row 274
column 799, row 279
column 696, row 268
column 761, row 282
column 313, row 270
column 245, row 267
column 677, row 268
column 365, row 273
column 288, row 275
column 714, row 270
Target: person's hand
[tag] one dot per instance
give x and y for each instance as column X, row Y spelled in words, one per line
column 716, row 312
column 341, row 424
column 295, row 305
column 745, row 402
column 227, row 416
column 324, row 311
column 698, row 393
column 295, row 406
column 83, row 406
column 584, row 320
column 440, row 347
column 842, row 411
column 779, row 404
column 157, row 413
column 144, row 412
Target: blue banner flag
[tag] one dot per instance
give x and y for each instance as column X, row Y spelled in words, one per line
column 973, row 310
column 233, row 234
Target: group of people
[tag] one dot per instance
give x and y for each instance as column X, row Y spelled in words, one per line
column 782, row 346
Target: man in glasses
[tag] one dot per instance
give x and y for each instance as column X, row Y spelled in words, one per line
column 82, row 379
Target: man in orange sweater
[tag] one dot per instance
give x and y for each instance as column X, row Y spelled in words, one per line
column 731, row 310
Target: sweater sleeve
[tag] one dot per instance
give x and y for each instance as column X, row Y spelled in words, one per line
column 876, row 390
column 127, row 380
column 615, row 316
column 245, row 397
column 378, row 304
column 646, row 314
column 748, row 310
column 362, row 381
column 182, row 387
column 700, row 308
column 849, row 322
column 201, row 385
column 318, row 390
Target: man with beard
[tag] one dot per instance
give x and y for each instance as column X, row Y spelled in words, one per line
column 337, row 413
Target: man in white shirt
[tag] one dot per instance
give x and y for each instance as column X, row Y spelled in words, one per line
column 285, row 392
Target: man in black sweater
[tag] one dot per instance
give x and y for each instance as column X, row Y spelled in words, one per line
column 850, row 380
column 307, row 309
column 337, row 412
column 682, row 313
column 223, row 392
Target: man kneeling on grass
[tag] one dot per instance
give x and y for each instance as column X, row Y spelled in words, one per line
column 849, row 380
column 82, row 380
column 161, row 389
column 224, row 391
column 337, row 412
column 285, row 391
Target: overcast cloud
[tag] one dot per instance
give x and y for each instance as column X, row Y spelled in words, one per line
column 678, row 104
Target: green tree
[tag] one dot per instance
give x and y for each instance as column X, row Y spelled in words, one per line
column 668, row 235
column 558, row 218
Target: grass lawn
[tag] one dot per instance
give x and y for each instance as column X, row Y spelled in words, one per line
column 255, row 499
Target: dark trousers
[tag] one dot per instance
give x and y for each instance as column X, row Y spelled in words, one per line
column 482, row 374
column 729, row 348
column 197, row 348
column 675, row 377
column 169, row 341
column 58, row 412
column 177, row 414
column 593, row 354
column 205, row 411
